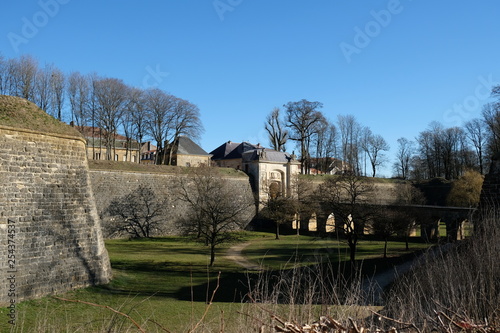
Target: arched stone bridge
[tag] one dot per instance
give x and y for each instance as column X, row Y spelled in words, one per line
column 427, row 217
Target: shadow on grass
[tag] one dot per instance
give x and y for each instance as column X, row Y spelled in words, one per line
column 192, row 281
column 234, row 287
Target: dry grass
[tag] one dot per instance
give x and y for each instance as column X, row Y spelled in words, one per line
column 20, row 113
column 152, row 168
column 457, row 285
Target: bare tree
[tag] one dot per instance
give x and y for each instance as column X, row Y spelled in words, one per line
column 160, row 109
column 374, row 145
column 403, row 157
column 475, row 131
column 185, row 121
column 344, row 196
column 326, row 145
column 3, row 76
column 276, row 130
column 216, row 207
column 57, row 91
column 136, row 108
column 445, row 151
column 452, row 152
column 79, row 98
column 407, row 195
column 280, row 210
column 42, row 93
column 22, row 74
column 12, row 78
column 491, row 116
column 276, row 206
column 389, row 222
column 301, row 117
column 427, row 153
column 127, row 125
column 140, row 212
column 350, row 131
column 110, row 97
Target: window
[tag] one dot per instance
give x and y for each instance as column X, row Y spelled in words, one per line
column 116, row 157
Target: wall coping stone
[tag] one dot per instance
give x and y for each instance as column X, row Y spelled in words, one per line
column 55, row 135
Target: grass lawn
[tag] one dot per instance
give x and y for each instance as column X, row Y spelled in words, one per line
column 285, row 252
column 165, row 282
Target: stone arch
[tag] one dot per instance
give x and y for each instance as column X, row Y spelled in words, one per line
column 276, row 179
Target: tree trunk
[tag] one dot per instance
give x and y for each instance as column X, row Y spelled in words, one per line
column 352, row 255
column 277, row 230
column 171, row 151
column 352, row 252
column 385, row 248
column 212, row 255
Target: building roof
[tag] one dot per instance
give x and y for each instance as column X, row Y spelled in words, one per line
column 223, row 150
column 96, row 132
column 186, row 146
column 148, row 147
column 232, row 150
column 240, row 150
column 268, row 155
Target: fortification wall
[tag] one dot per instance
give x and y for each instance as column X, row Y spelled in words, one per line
column 51, row 239
column 490, row 192
column 109, row 186
column 383, row 193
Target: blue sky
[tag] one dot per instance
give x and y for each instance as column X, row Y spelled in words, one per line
column 394, row 65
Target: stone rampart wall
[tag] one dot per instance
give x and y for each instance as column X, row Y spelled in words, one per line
column 490, row 192
column 109, row 186
column 382, row 194
column 51, row 238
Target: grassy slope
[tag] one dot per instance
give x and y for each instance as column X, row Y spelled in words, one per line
column 151, row 168
column 167, row 280
column 20, row 113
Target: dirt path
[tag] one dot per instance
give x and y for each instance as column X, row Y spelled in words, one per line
column 377, row 284
column 234, row 253
column 380, row 281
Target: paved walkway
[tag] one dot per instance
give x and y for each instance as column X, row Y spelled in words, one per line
column 234, row 253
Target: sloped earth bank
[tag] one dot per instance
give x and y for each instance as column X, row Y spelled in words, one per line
column 376, row 284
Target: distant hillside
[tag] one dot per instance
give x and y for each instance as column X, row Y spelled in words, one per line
column 20, row 113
